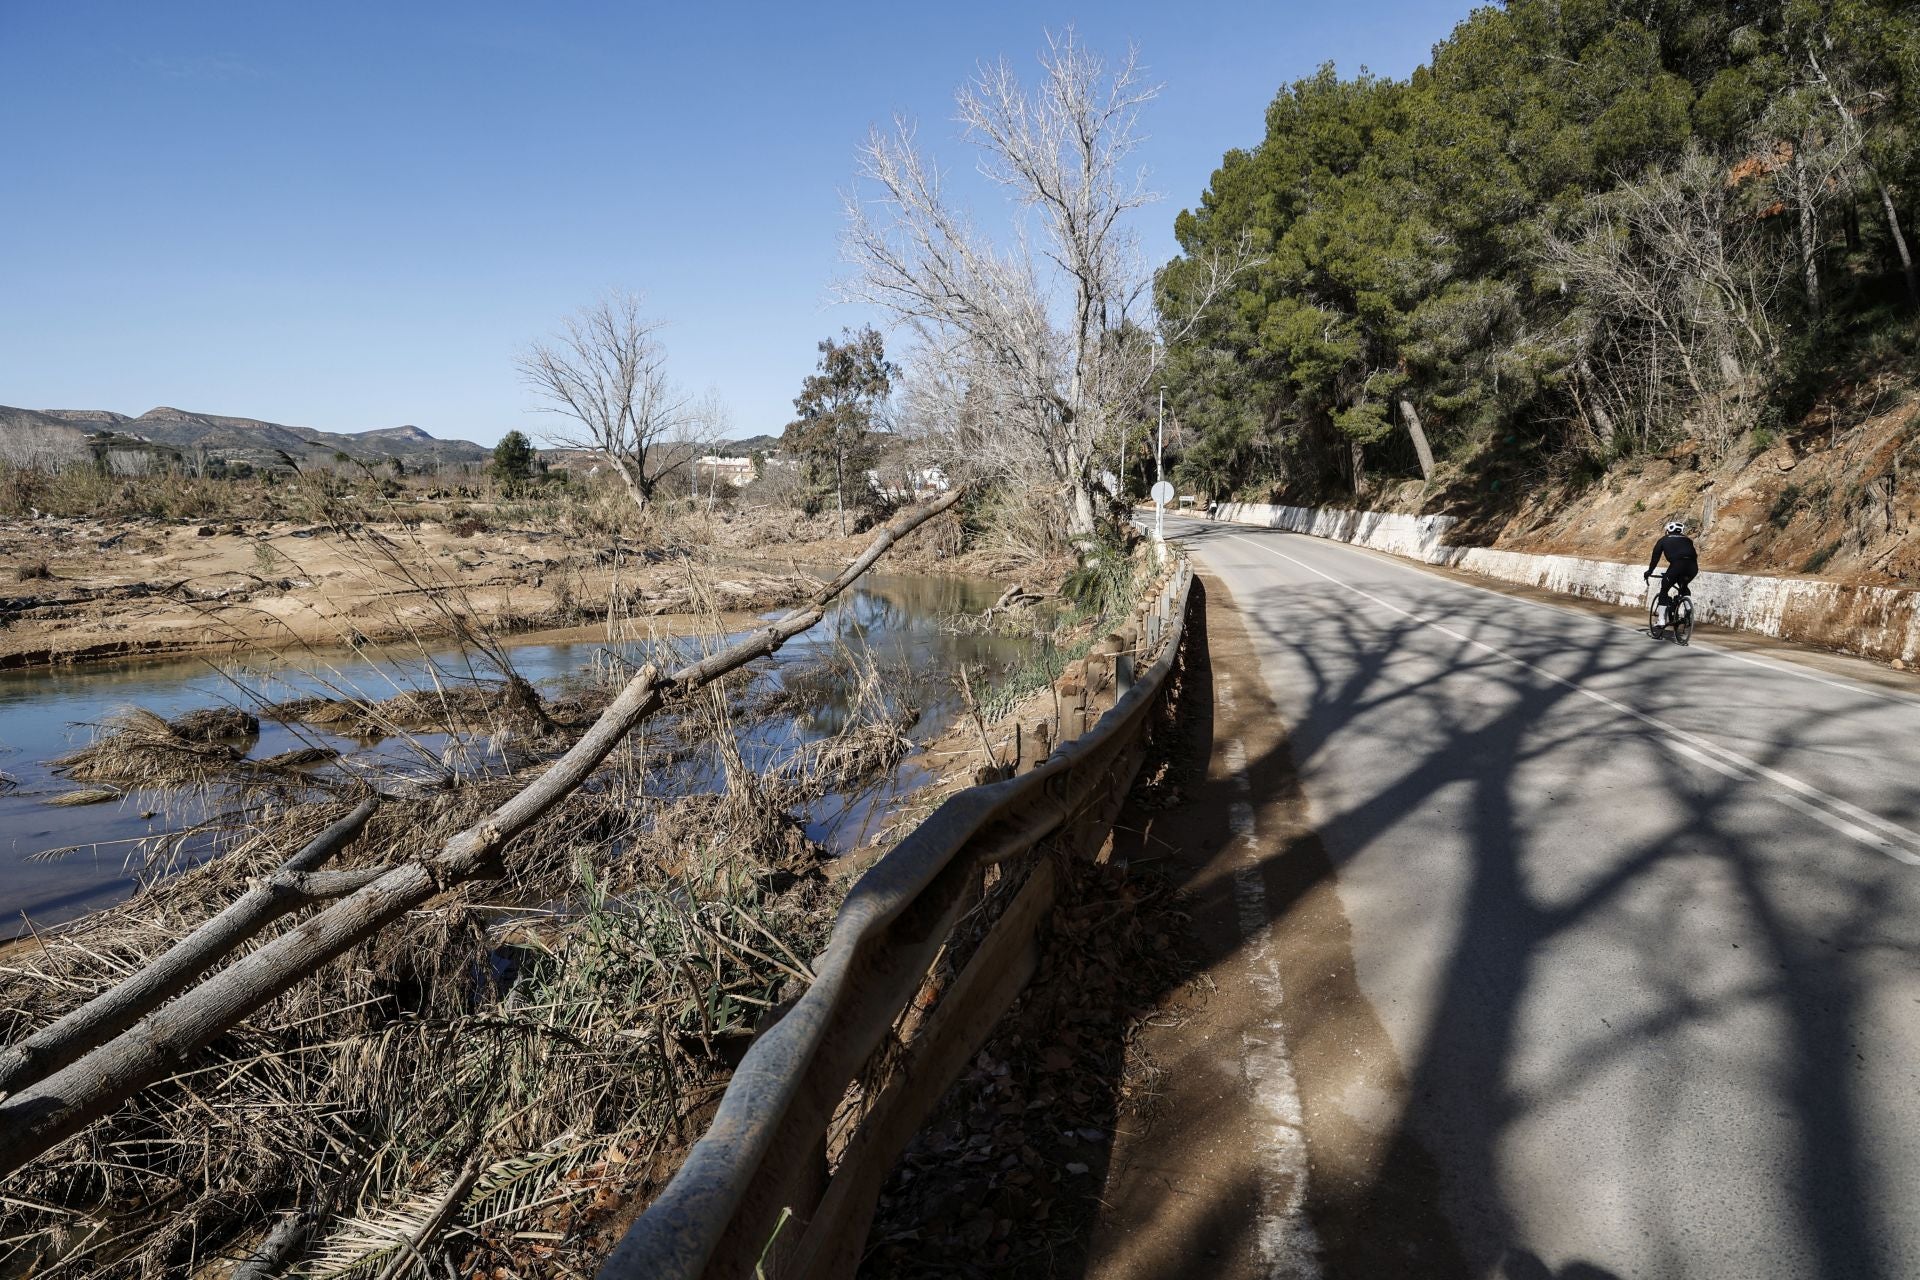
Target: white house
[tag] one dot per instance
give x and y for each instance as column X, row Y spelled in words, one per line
column 737, row 472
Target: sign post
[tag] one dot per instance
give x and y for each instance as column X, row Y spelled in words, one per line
column 1162, row 493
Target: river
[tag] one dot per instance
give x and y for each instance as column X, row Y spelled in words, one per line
column 892, row 619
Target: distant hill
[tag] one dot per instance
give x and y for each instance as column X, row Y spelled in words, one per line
column 62, row 433
column 749, row 446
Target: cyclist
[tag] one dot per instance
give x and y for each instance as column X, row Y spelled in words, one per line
column 1683, row 565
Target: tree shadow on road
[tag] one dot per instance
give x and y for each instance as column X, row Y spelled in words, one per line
column 1661, row 896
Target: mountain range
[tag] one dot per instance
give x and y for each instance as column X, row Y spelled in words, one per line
column 58, row 433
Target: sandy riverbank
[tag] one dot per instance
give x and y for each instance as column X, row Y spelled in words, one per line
column 77, row 590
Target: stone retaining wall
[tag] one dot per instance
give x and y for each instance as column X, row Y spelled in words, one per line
column 1876, row 622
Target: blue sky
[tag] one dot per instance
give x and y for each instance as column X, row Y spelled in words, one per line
column 352, row 216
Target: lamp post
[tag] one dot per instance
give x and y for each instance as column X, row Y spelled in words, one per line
column 1159, row 452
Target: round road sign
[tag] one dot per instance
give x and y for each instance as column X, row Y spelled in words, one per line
column 1162, row 493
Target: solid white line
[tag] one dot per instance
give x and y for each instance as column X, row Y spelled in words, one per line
column 1289, row 1247
column 1850, row 820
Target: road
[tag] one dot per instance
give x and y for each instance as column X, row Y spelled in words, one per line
column 1640, row 922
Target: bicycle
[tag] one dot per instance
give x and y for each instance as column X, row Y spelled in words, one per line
column 1682, row 622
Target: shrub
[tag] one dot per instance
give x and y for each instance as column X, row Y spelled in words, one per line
column 1784, row 505
column 1104, row 583
column 1818, row 560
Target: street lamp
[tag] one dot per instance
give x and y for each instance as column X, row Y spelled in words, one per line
column 1159, row 452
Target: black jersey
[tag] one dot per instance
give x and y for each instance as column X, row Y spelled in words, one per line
column 1678, row 549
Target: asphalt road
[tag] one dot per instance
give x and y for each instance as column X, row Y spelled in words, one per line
column 1641, row 922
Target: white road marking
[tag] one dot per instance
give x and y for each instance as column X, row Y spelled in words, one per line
column 1289, row 1247
column 1876, row 833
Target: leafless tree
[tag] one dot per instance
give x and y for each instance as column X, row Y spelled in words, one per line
column 1054, row 328
column 33, row 446
column 1831, row 91
column 1679, row 295
column 607, row 371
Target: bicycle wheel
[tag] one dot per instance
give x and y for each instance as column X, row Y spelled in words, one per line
column 1654, row 628
column 1683, row 620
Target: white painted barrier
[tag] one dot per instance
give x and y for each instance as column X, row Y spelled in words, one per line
column 1879, row 622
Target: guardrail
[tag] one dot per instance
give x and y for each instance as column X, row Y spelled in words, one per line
column 785, row 1181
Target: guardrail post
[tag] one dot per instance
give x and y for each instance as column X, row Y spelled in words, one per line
column 1036, row 744
column 1103, row 674
column 1073, row 702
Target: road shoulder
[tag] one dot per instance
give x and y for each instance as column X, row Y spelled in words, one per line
column 1276, row 1149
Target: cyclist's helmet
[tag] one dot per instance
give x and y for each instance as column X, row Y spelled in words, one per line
column 1676, row 526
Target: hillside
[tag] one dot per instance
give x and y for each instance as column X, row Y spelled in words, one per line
column 30, row 435
column 1832, row 498
column 749, row 445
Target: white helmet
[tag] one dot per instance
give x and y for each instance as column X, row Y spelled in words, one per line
column 1676, row 526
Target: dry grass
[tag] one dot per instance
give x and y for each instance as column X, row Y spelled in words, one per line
column 527, row 1055
column 139, row 748
column 557, row 1026
column 85, row 796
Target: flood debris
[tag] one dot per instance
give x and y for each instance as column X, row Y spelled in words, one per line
column 215, row 724
column 496, row 1065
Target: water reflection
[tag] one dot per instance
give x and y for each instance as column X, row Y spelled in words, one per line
column 888, row 623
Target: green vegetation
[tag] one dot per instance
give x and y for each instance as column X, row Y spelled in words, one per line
column 836, row 410
column 1818, row 560
column 1584, row 230
column 513, row 461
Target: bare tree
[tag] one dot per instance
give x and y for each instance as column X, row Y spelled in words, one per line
column 1055, row 330
column 1851, row 125
column 1679, row 298
column 607, row 372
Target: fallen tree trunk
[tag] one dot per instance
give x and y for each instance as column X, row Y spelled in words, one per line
column 113, row 1011
column 62, row 1104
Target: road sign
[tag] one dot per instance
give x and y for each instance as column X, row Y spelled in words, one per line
column 1162, row 493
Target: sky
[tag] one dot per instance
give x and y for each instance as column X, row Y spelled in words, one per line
column 352, row 216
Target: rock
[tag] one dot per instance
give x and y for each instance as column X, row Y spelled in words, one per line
column 205, row 531
column 214, row 724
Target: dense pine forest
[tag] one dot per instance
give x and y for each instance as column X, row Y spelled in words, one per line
column 1583, row 230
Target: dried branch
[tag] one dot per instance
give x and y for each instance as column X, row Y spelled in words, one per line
column 292, row 886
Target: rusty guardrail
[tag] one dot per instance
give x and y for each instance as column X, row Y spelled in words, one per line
column 788, row 1174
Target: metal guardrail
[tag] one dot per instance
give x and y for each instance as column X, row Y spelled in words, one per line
column 758, row 1193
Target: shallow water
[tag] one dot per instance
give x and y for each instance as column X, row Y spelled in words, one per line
column 893, row 619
